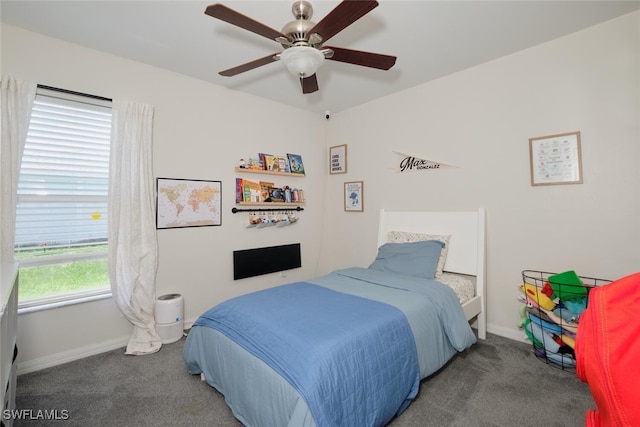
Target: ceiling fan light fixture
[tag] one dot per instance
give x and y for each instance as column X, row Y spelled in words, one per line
column 302, row 61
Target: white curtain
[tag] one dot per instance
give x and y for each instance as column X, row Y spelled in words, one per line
column 133, row 245
column 16, row 103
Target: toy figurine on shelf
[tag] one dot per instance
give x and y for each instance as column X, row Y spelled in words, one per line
column 242, row 164
column 254, row 163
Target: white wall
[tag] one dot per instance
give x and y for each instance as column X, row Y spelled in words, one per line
column 481, row 119
column 200, row 132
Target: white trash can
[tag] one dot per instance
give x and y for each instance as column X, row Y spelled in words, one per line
column 169, row 317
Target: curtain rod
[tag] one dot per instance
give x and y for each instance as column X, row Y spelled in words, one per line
column 297, row 208
column 73, row 92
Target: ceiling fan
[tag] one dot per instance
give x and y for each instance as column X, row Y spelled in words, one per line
column 303, row 40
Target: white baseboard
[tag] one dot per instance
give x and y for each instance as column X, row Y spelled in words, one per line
column 78, row 353
column 71, row 355
column 514, row 334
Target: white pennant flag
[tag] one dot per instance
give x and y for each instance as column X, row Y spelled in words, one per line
column 408, row 163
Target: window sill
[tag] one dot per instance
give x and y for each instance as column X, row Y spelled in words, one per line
column 48, row 304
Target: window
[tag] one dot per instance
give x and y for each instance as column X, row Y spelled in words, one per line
column 61, row 219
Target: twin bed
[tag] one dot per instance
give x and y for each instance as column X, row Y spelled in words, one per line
column 350, row 348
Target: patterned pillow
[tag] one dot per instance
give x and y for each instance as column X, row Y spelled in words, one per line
column 406, row 237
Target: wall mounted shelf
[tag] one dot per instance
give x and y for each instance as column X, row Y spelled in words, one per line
column 264, row 172
column 267, row 206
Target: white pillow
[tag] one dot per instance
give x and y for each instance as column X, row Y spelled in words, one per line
column 407, row 237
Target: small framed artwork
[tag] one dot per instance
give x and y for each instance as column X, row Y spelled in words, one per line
column 353, row 196
column 556, row 159
column 187, row 203
column 338, row 159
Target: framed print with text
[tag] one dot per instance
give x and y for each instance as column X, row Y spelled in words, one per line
column 338, row 159
column 353, row 196
column 556, row 159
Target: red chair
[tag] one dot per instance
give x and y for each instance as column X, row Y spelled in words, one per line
column 608, row 353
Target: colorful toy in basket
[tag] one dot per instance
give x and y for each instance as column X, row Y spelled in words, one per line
column 533, row 293
column 554, row 305
column 567, row 286
column 542, row 336
column 570, row 313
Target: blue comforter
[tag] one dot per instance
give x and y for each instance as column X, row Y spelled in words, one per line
column 259, row 396
column 352, row 359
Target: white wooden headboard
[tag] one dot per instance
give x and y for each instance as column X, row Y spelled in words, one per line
column 466, row 244
column 466, row 254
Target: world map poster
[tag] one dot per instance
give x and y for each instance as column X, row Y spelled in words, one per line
column 188, row 203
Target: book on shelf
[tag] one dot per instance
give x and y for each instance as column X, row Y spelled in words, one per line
column 297, row 195
column 265, row 189
column 239, row 190
column 246, row 191
column 272, row 162
column 276, row 195
column 295, row 163
column 262, row 157
column 283, row 161
column 250, row 191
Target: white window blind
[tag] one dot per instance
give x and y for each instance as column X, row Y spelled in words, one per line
column 64, row 178
column 61, row 216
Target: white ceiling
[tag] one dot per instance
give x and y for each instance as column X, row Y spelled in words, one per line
column 430, row 39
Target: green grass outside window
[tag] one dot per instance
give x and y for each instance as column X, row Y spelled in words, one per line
column 51, row 280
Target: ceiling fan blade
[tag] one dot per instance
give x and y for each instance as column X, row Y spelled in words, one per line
column 343, row 15
column 248, row 66
column 309, row 84
column 366, row 59
column 225, row 14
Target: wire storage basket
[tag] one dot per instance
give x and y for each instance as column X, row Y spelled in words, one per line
column 551, row 314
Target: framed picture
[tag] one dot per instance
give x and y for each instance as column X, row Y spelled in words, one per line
column 556, row 159
column 353, row 197
column 295, row 163
column 338, row 159
column 187, row 203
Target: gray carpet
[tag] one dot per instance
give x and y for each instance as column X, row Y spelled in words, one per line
column 498, row 382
